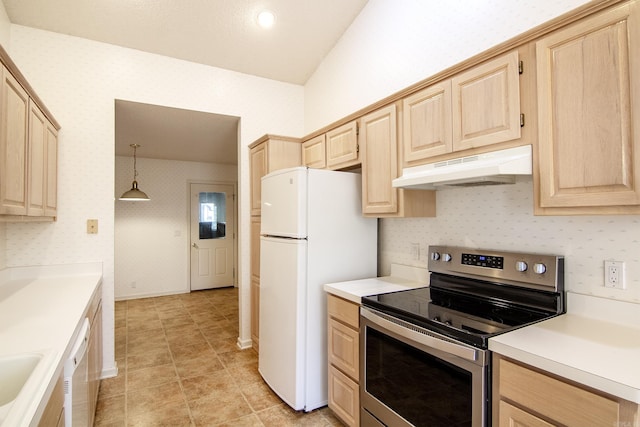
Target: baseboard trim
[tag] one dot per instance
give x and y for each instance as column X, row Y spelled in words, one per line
column 244, row 344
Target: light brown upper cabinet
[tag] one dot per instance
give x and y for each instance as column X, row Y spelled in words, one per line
column 474, row 108
column 28, row 150
column 268, row 154
column 486, row 103
column 588, row 88
column 427, row 123
column 314, row 153
column 14, row 131
column 335, row 149
column 379, row 150
column 342, row 146
column 43, row 161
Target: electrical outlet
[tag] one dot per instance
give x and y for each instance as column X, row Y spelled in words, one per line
column 133, row 285
column 614, row 274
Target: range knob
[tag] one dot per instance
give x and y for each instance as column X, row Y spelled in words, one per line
column 521, row 266
column 435, row 256
column 539, row 268
column 446, row 257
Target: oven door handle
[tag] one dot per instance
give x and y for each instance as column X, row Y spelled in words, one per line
column 421, row 335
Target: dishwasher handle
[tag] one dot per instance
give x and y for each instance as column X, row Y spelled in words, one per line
column 78, row 350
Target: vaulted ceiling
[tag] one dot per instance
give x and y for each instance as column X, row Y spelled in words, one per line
column 219, row 33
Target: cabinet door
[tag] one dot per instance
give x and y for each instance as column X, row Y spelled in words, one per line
column 258, row 162
column 343, row 348
column 14, row 115
column 589, row 110
column 314, row 152
column 255, row 281
column 427, row 123
column 51, row 171
column 342, row 146
column 486, row 103
column 36, row 193
column 511, row 416
column 95, row 361
column 344, row 397
column 379, row 161
column 53, row 414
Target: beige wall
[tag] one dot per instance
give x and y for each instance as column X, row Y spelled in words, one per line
column 420, row 39
column 79, row 81
column 392, row 45
column 5, row 28
column 152, row 238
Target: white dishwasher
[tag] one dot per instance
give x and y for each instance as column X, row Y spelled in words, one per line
column 76, row 378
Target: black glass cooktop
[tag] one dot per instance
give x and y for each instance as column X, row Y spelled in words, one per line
column 465, row 309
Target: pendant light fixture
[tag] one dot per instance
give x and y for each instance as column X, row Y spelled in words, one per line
column 134, row 195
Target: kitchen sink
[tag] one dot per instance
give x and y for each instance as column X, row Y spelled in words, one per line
column 15, row 374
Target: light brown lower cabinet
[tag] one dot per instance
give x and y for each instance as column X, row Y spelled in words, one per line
column 344, row 359
column 53, row 415
column 528, row 397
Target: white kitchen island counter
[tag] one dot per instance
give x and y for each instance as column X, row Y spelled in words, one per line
column 402, row 277
column 40, row 312
column 597, row 343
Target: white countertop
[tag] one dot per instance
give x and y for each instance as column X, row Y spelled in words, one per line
column 402, row 278
column 40, row 311
column 597, row 343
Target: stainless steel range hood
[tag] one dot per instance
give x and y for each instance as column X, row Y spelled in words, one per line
column 496, row 167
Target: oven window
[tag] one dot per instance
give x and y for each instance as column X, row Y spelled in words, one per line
column 421, row 388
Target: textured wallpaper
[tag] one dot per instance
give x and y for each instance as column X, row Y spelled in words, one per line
column 394, row 44
column 152, row 238
column 79, row 81
column 501, row 217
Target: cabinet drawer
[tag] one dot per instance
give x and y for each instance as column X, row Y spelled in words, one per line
column 343, row 310
column 344, row 397
column 555, row 399
column 343, row 348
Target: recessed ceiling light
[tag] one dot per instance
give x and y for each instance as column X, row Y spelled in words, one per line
column 266, row 19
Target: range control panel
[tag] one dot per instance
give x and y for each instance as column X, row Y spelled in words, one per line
column 535, row 271
column 490, row 261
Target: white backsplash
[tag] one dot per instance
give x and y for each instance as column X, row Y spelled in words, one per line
column 501, row 217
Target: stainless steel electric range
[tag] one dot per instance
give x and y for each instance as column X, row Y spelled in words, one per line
column 424, row 352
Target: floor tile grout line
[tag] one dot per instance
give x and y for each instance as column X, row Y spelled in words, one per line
column 220, row 305
column 175, row 368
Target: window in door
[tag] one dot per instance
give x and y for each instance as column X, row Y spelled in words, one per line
column 212, row 215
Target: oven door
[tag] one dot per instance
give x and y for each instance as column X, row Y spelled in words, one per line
column 410, row 376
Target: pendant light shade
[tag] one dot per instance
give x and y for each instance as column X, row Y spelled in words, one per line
column 135, row 194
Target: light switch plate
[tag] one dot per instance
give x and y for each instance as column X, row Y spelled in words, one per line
column 92, row 226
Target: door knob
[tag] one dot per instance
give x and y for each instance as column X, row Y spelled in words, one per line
column 195, row 246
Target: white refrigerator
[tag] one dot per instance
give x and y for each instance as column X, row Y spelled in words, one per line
column 312, row 233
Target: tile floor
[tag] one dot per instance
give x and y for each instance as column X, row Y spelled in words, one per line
column 178, row 365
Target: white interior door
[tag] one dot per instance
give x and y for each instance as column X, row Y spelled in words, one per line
column 212, row 235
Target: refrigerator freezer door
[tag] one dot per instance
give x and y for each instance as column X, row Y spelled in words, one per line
column 284, row 203
column 282, row 318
